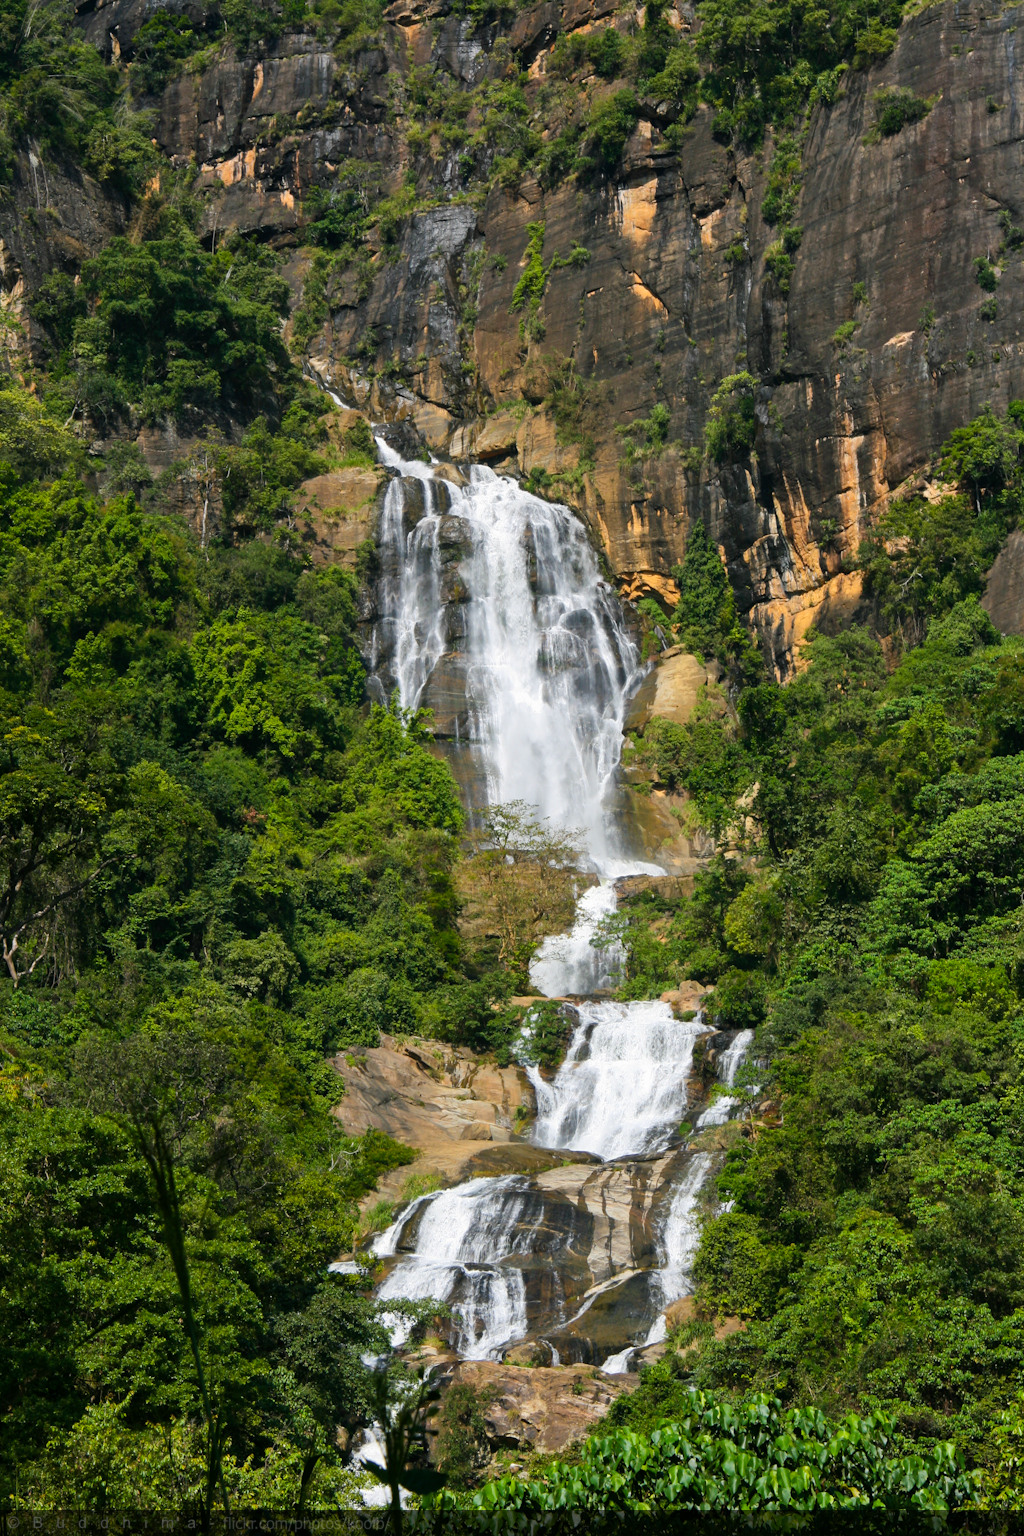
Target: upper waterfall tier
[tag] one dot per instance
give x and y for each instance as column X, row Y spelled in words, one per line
column 491, row 609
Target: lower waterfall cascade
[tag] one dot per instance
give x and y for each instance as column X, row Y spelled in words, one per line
column 500, row 591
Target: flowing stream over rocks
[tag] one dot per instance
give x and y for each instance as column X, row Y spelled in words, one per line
column 491, row 611
column 621, row 1090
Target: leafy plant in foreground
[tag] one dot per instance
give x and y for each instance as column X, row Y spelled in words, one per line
column 754, row 1455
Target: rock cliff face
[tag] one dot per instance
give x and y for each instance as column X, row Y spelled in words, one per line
column 674, row 294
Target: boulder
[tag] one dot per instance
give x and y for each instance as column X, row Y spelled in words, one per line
column 686, row 998
column 340, row 511
column 1004, row 592
column 537, row 1408
column 426, row 1095
column 671, row 690
column 666, row 887
column 497, row 437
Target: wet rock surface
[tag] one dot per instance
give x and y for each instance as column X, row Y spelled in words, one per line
column 582, row 1235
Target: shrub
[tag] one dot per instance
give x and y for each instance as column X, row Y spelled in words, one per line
column 783, row 186
column 606, row 52
column 679, row 78
column 874, row 43
column 779, row 264
column 612, row 123
column 731, row 425
column 985, row 274
column 739, row 1001
column 460, row 1448
column 896, row 109
column 648, row 435
column 159, row 49
column 717, row 1456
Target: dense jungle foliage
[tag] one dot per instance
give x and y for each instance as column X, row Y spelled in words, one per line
column 864, row 916
column 219, row 866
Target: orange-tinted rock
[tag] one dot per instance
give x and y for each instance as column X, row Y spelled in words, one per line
column 672, row 689
column 540, row 1409
column 339, row 509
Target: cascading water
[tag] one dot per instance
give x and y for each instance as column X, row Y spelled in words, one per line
column 680, row 1233
column 410, row 629
column 530, row 630
column 463, row 1237
column 621, row 1090
column 569, row 964
column 722, row 1109
column 491, row 609
column 678, row 1245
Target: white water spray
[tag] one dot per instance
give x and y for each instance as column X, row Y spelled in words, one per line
column 538, row 639
column 492, row 601
column 463, row 1238
column 724, row 1107
column 621, row 1090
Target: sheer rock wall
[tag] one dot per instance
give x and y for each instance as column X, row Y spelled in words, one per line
column 660, row 311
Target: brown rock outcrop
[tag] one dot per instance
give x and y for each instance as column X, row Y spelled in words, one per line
column 339, row 512
column 659, row 313
column 672, row 689
column 686, row 998
column 1004, row 595
column 667, row 887
column 437, row 1098
column 678, row 1313
column 532, row 1409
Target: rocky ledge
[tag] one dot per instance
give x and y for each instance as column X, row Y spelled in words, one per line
column 539, row 1409
column 590, row 1269
column 441, row 1100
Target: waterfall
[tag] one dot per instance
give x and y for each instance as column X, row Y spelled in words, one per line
column 680, row 1233
column 621, row 1090
column 567, row 964
column 461, row 1240
column 491, row 600
column 491, row 610
column 410, row 629
column 721, row 1109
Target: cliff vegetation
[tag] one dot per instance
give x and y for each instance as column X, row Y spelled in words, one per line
column 637, row 258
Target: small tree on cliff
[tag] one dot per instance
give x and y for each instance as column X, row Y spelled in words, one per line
column 705, row 618
column 519, row 881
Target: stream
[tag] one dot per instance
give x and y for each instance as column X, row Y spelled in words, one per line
column 492, row 611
